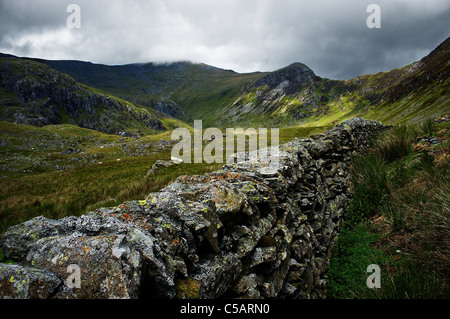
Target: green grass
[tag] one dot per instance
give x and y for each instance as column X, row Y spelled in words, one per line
column 399, row 218
column 75, row 191
column 352, row 255
column 28, row 191
column 32, row 186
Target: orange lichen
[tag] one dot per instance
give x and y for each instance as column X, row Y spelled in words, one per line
column 126, row 216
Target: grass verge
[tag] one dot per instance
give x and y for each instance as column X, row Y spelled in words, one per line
column 399, row 218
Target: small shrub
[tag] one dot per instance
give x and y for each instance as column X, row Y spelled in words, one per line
column 371, row 171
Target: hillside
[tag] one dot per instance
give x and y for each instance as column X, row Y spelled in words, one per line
column 33, row 93
column 183, row 90
column 411, row 93
column 291, row 96
column 296, row 96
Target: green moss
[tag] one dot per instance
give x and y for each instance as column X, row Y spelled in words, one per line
column 249, row 98
column 3, row 259
column 187, row 288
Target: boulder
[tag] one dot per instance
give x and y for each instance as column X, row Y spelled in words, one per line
column 162, row 163
column 18, row 282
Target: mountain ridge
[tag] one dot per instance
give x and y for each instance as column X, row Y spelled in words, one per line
column 33, row 93
column 291, row 96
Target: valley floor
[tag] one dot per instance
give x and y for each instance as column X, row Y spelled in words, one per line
column 63, row 170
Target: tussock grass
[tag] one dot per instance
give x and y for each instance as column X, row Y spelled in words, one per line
column 402, row 197
column 398, row 141
column 76, row 191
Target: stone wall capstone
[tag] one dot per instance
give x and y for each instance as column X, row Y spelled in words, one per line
column 240, row 232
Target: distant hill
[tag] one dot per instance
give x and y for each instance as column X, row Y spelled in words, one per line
column 296, row 96
column 183, row 90
column 33, row 93
column 291, row 96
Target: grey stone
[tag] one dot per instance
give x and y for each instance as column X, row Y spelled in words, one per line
column 238, row 232
column 18, row 282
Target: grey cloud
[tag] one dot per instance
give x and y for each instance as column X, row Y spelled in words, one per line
column 329, row 36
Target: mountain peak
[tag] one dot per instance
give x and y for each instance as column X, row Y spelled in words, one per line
column 297, row 65
column 292, row 76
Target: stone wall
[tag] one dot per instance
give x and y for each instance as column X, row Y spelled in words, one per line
column 237, row 232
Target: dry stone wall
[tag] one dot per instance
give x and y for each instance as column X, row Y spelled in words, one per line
column 239, row 232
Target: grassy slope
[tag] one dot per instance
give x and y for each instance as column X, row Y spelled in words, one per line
column 92, row 176
column 399, row 218
column 105, row 176
column 200, row 89
column 408, row 94
column 52, row 85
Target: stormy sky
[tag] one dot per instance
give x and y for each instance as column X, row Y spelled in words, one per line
column 330, row 36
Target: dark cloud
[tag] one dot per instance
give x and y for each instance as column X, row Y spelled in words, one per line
column 329, row 36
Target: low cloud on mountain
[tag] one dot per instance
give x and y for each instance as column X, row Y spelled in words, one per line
column 331, row 37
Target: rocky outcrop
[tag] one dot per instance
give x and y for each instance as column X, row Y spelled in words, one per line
column 38, row 95
column 287, row 80
column 295, row 84
column 240, row 232
column 169, row 108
